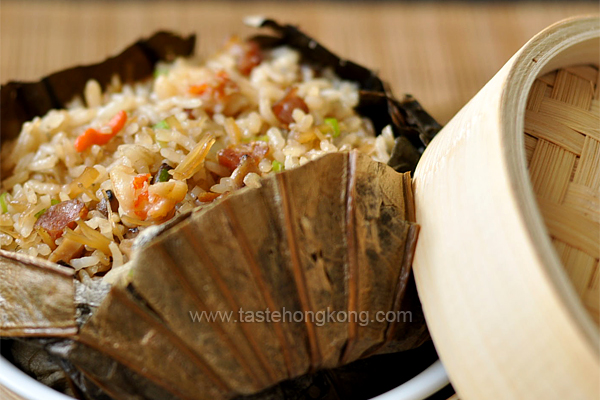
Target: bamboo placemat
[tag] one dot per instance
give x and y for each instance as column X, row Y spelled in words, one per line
column 442, row 53
column 6, row 394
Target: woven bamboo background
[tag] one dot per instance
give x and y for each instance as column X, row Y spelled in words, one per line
column 441, row 52
column 562, row 140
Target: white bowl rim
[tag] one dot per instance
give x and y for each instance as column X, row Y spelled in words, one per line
column 424, row 384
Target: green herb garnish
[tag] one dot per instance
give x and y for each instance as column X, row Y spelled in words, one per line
column 3, row 204
column 276, row 166
column 39, row 213
column 160, row 71
column 333, row 123
column 54, row 202
column 161, row 125
column 164, row 175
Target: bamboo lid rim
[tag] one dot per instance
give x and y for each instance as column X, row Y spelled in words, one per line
column 564, row 37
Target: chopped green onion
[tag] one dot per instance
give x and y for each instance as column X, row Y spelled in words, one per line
column 160, row 71
column 161, row 125
column 333, row 123
column 164, row 175
column 263, row 138
column 276, row 166
column 39, row 213
column 3, row 204
column 54, row 202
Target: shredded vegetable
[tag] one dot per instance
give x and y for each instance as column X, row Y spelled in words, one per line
column 54, row 202
column 89, row 237
column 193, row 161
column 276, row 166
column 3, row 204
column 83, row 182
column 40, row 213
column 333, row 123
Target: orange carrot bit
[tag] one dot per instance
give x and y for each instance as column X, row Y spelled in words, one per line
column 215, row 89
column 222, row 75
column 91, row 136
column 199, row 89
column 118, row 122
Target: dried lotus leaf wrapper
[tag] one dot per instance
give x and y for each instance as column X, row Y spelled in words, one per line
column 129, row 332
column 219, row 278
column 313, row 215
column 110, row 377
column 378, row 231
column 287, row 247
column 233, row 285
column 37, row 297
column 167, row 281
column 409, row 333
column 262, row 234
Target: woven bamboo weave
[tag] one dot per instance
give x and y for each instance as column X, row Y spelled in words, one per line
column 562, row 141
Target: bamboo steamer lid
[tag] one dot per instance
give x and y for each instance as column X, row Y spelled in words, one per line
column 507, row 199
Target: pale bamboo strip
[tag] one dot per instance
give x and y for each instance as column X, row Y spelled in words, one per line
column 595, row 281
column 550, row 170
column 595, row 108
column 571, row 227
column 537, row 94
column 568, row 117
column 579, row 265
column 597, row 91
column 574, row 117
column 588, row 171
column 574, row 168
column 530, row 144
column 573, row 90
column 592, row 302
column 583, row 199
column 592, row 295
column 555, row 132
column 548, row 79
column 586, row 72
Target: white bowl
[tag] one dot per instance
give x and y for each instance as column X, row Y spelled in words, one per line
column 426, row 383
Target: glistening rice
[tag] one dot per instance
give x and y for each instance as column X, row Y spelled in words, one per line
column 79, row 184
